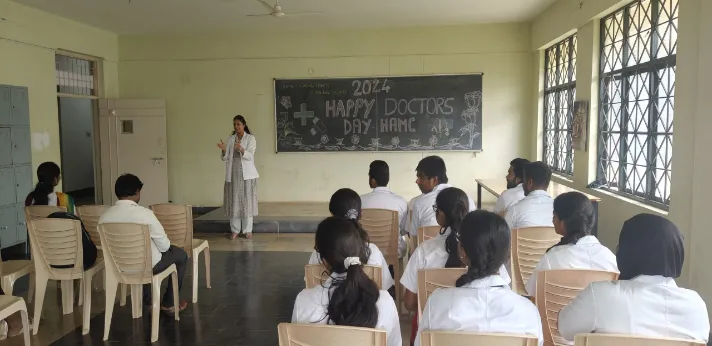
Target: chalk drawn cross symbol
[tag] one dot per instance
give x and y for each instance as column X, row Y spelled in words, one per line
column 303, row 114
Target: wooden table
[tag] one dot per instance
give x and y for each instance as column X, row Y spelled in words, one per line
column 497, row 186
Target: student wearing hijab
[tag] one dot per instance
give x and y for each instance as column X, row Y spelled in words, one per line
column 578, row 249
column 645, row 301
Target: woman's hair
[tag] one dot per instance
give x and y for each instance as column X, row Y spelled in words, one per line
column 352, row 298
column 243, row 121
column 485, row 238
column 47, row 172
column 575, row 210
column 650, row 245
column 346, row 204
column 454, row 203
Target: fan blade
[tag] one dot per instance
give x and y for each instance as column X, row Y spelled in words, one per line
column 258, row 15
column 268, row 6
column 303, row 14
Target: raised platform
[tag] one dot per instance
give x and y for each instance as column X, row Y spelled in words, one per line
column 274, row 217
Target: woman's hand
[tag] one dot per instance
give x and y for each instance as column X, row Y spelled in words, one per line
column 222, row 145
column 239, row 147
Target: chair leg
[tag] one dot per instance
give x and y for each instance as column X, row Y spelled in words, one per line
column 136, row 301
column 31, row 289
column 6, row 285
column 67, row 287
column 176, row 295
column 81, row 293
column 195, row 276
column 111, row 286
column 122, row 299
column 25, row 326
column 396, row 272
column 206, row 254
column 155, row 307
column 86, row 310
column 40, row 289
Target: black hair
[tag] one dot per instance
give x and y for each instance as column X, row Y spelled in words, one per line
column 650, row 245
column 575, row 210
column 454, row 204
column 484, row 237
column 379, row 171
column 539, row 172
column 346, row 201
column 518, row 167
column 433, row 166
column 127, row 185
column 47, row 172
column 353, row 298
column 243, row 121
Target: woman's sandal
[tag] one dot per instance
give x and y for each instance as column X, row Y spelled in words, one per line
column 170, row 310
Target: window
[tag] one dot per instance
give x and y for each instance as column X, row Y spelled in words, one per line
column 559, row 96
column 75, row 76
column 637, row 97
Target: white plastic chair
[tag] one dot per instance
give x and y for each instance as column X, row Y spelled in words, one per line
column 449, row 338
column 10, row 305
column 127, row 252
column 325, row 335
column 630, row 340
column 10, row 271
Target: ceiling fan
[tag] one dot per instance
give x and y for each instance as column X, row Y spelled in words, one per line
column 276, row 11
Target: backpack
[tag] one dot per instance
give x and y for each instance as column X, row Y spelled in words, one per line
column 88, row 247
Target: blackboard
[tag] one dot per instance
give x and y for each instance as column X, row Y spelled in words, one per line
column 426, row 113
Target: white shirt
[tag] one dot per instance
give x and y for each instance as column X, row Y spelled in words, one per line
column 423, row 213
column 587, row 253
column 486, row 305
column 535, row 210
column 249, row 170
column 429, row 255
column 509, row 198
column 125, row 211
column 650, row 306
column 311, row 304
column 376, row 259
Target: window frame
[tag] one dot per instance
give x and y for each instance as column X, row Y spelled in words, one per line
column 653, row 67
column 565, row 89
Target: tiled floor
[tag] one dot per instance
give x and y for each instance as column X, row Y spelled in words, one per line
column 254, row 283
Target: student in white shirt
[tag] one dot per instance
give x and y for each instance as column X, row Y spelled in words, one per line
column 431, row 177
column 382, row 198
column 514, row 192
column 578, row 249
column 346, row 204
column 481, row 302
column 163, row 254
column 645, row 301
column 536, row 208
column 348, row 297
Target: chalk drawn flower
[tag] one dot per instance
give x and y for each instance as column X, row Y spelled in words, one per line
column 454, row 141
column 473, row 99
column 324, row 139
column 375, row 142
column 339, row 141
column 433, row 140
column 414, row 142
column 286, row 102
column 297, row 141
column 395, row 141
column 355, row 139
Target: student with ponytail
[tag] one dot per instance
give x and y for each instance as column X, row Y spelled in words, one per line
column 48, row 175
column 348, row 297
column 482, row 301
column 574, row 219
column 346, row 204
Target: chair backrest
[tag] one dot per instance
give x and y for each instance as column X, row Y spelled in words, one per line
column 630, row 340
column 316, row 275
column 427, row 233
column 326, row 335
column 447, row 338
column 34, row 212
column 382, row 228
column 557, row 288
column 127, row 251
column 528, row 245
column 90, row 215
column 177, row 221
column 57, row 247
column 431, row 279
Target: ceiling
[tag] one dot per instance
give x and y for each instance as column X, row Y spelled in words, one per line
column 189, row 16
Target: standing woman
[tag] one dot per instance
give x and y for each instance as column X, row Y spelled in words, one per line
column 240, row 199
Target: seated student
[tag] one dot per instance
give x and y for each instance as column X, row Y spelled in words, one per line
column 515, row 191
column 348, row 297
column 382, row 198
column 126, row 210
column 431, row 177
column 645, row 300
column 346, row 204
column 48, row 175
column 482, row 302
column 578, row 249
column 536, row 208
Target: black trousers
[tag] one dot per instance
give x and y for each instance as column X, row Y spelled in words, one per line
column 174, row 255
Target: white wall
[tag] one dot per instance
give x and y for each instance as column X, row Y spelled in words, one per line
column 76, row 133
